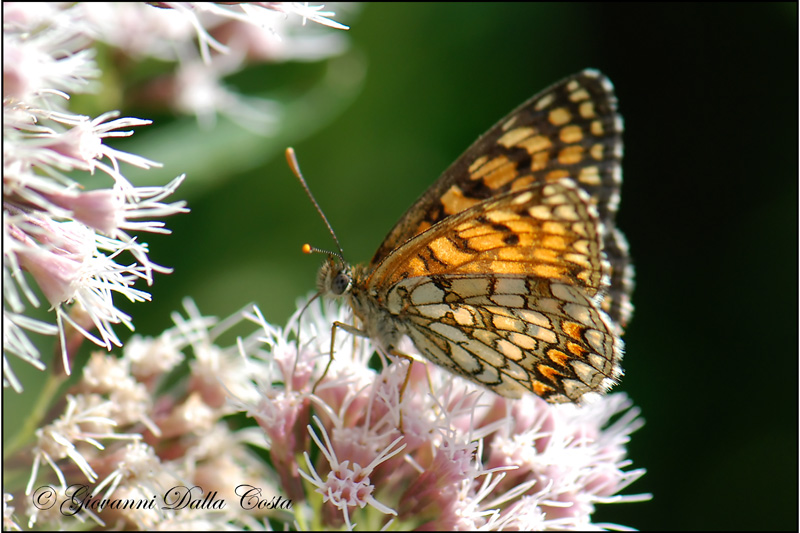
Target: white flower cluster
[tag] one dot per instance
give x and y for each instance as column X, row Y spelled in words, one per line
column 447, row 455
column 71, row 243
column 346, row 451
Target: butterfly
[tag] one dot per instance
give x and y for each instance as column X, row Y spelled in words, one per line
column 509, row 269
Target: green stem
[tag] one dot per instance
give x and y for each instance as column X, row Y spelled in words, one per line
column 37, row 414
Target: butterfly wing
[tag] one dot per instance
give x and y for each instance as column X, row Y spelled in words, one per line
column 508, row 294
column 544, row 231
column 520, row 335
column 570, row 130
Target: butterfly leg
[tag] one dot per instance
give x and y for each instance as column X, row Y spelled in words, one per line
column 360, row 333
column 348, row 328
column 405, row 382
column 411, row 361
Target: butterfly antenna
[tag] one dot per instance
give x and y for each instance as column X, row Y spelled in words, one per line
column 292, row 160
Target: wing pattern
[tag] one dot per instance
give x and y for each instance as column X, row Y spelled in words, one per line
column 570, row 130
column 507, row 293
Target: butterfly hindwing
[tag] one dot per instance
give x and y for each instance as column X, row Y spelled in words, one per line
column 513, row 334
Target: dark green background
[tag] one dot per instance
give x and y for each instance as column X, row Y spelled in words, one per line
column 709, row 204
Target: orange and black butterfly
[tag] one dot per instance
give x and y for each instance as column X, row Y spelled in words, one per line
column 509, row 269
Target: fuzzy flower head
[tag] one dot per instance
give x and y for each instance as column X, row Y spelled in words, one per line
column 84, row 248
column 444, row 455
column 343, row 451
column 67, row 241
column 136, row 429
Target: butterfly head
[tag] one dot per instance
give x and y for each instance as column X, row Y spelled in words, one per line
column 335, row 276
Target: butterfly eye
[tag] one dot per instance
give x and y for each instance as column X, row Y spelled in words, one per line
column 341, row 283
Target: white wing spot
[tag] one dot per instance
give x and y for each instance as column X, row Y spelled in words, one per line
column 511, row 286
column 586, row 373
column 574, row 388
column 596, row 340
column 489, row 375
column 509, row 349
column 508, row 300
column 487, row 354
column 427, row 293
column 532, row 317
column 434, row 311
column 464, row 359
column 463, row 316
column 468, row 287
column 449, row 332
column 541, row 333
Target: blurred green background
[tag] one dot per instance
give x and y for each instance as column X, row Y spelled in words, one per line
column 709, row 204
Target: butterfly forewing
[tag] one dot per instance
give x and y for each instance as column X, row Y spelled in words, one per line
column 544, row 231
column 570, row 130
